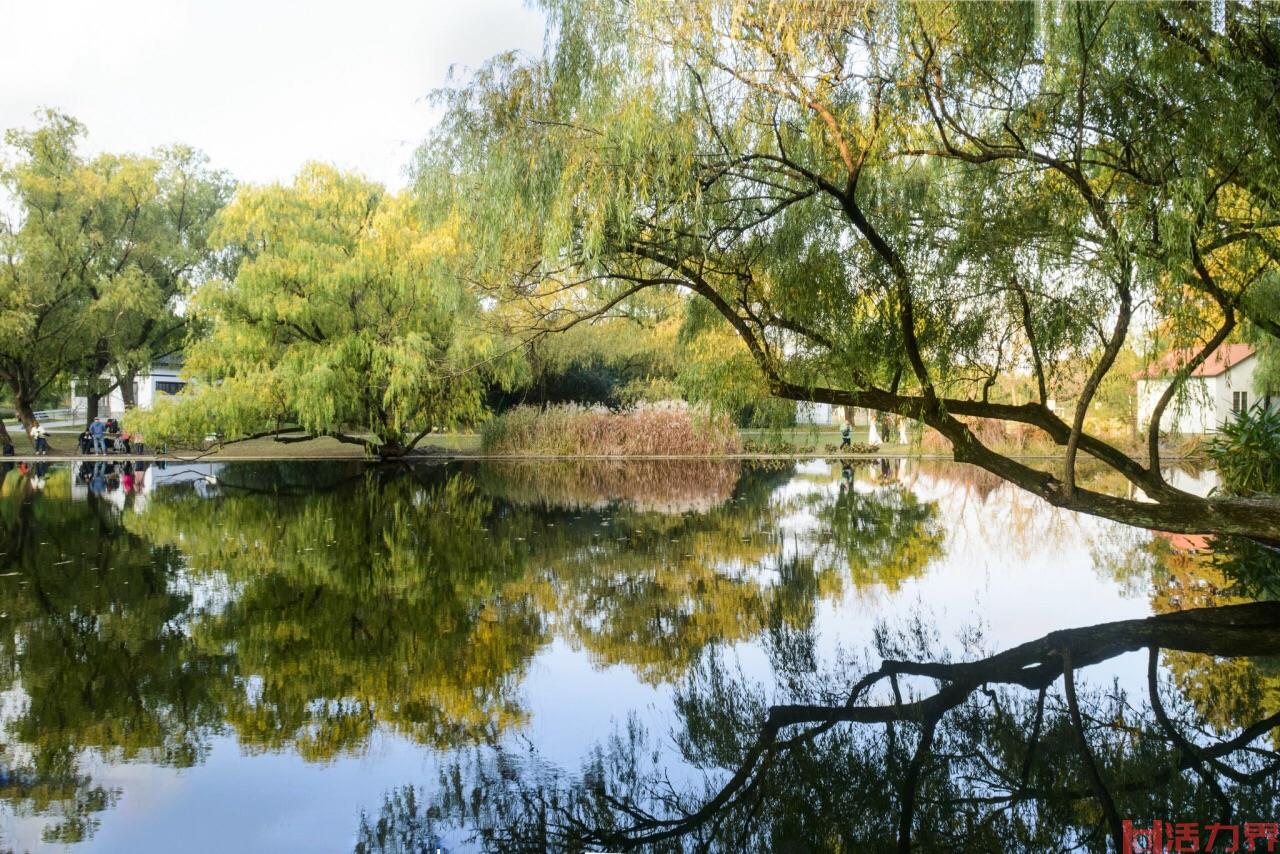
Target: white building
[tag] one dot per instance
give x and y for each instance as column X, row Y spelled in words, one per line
column 163, row 378
column 828, row 414
column 1222, row 386
column 808, row 412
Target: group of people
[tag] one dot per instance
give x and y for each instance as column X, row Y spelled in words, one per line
column 99, row 437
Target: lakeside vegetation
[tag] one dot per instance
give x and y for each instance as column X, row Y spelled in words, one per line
column 641, row 430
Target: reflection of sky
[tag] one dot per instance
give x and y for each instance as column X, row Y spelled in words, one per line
column 1012, row 566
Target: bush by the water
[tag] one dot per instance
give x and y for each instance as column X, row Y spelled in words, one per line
column 854, row 448
column 1247, row 452
column 643, row 430
column 769, row 445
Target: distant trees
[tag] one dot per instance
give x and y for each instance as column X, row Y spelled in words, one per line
column 896, row 205
column 96, row 259
column 341, row 320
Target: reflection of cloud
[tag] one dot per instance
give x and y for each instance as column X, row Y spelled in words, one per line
column 655, row 486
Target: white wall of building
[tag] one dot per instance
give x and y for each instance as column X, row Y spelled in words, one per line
column 1204, row 404
column 827, row 414
column 147, row 389
column 814, row 413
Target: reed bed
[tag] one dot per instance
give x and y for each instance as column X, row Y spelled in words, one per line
column 647, row 429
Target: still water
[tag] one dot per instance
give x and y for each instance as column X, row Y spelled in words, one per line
column 320, row 657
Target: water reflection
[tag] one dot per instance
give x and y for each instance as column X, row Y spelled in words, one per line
column 304, row 609
column 1004, row 753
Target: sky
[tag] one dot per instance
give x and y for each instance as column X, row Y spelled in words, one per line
column 261, row 86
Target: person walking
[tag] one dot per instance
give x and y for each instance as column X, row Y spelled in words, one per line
column 98, row 431
column 846, row 435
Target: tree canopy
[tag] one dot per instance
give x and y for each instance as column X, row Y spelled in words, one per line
column 894, row 204
column 340, row 319
column 97, row 259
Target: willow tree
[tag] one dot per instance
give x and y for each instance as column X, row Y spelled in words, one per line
column 341, row 321
column 896, row 205
column 96, row 258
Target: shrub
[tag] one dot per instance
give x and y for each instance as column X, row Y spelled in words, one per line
column 1247, row 452
column 768, row 445
column 650, row 429
column 854, row 448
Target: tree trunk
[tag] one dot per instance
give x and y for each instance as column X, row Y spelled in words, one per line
column 26, row 412
column 128, row 389
column 390, row 452
column 4, row 434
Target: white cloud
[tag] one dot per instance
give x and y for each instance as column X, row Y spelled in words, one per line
column 260, row 86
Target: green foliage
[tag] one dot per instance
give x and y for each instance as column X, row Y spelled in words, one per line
column 645, row 429
column 1247, row 452
column 906, row 206
column 769, row 444
column 616, row 361
column 854, row 448
column 341, row 316
column 98, row 259
column 1266, row 301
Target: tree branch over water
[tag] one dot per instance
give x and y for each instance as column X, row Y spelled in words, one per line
column 965, row 759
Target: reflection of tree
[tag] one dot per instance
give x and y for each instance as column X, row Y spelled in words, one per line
column 1226, row 693
column 306, row 607
column 653, row 589
column 667, row 486
column 93, row 638
column 379, row 603
column 416, row 601
column 886, row 536
column 992, row 757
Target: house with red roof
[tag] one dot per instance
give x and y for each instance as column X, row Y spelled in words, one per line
column 1218, row 388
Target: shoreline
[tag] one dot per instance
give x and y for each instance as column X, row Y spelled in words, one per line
column 456, row 456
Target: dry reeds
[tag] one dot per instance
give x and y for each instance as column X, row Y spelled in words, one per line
column 1000, row 436
column 646, row 429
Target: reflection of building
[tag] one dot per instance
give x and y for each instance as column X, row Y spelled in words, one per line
column 1223, row 385
column 163, row 378
column 1196, row 543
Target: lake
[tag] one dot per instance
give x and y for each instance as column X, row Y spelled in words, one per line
column 323, row 657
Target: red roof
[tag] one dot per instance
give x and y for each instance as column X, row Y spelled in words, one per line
column 1220, row 361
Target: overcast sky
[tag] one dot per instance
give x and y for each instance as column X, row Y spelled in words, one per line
column 260, row 85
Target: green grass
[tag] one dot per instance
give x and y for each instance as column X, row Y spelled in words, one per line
column 459, row 443
column 808, row 439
